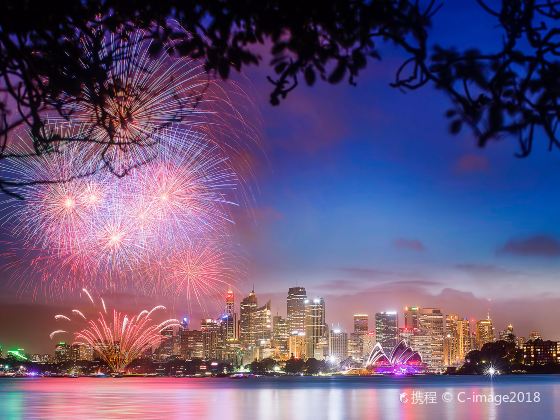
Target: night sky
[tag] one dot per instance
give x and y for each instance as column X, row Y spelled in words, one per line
column 363, row 197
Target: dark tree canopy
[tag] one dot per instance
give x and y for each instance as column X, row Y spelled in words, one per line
column 513, row 92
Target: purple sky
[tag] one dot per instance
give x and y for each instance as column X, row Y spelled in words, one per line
column 363, row 197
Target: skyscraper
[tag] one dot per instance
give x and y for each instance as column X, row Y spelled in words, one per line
column 315, row 327
column 211, row 339
column 410, row 317
column 280, row 336
column 255, row 327
column 361, row 324
column 356, row 340
column 484, row 332
column 166, row 347
column 230, row 317
column 296, row 309
column 507, row 334
column 457, row 340
column 338, row 344
column 387, row 329
column 430, row 322
column 247, row 320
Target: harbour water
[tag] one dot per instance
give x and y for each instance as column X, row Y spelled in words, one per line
column 430, row 397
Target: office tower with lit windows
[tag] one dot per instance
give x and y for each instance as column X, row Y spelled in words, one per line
column 263, row 325
column 297, row 345
column 356, row 340
column 255, row 328
column 62, row 352
column 247, row 330
column 387, row 329
column 411, row 317
column 230, row 318
column 280, row 337
column 166, row 347
column 211, row 338
column 295, row 303
column 315, row 328
column 457, row 340
column 484, row 332
column 507, row 334
column 541, row 352
column 338, row 345
column 361, row 324
column 431, row 323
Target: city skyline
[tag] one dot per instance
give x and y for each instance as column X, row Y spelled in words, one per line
column 408, row 318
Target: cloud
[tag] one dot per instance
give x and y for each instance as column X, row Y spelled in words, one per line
column 485, row 269
column 472, row 163
column 532, row 246
column 409, row 244
column 363, row 272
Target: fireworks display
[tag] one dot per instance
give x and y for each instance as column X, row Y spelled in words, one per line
column 165, row 226
column 117, row 338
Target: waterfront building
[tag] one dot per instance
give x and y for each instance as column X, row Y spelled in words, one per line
column 386, row 329
column 338, row 345
column 541, row 352
column 484, row 332
column 507, row 334
column 457, row 340
column 411, row 317
column 295, row 304
column 297, row 345
column 280, row 337
column 230, row 318
column 430, row 323
column 247, row 330
column 211, row 338
column 62, row 352
column 315, row 328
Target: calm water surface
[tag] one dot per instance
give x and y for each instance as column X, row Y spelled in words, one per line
column 279, row 398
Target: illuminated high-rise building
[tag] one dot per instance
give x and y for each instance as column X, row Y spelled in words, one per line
column 457, row 340
column 534, row 335
column 338, row 345
column 255, row 328
column 191, row 344
column 507, row 334
column 484, row 332
column 280, row 337
column 431, row 323
column 211, row 338
column 166, row 347
column 230, row 318
column 539, row 352
column 411, row 317
column 315, row 328
column 62, row 352
column 247, row 331
column 361, row 324
column 263, row 325
column 356, row 340
column 387, row 329
column 297, row 345
column 295, row 303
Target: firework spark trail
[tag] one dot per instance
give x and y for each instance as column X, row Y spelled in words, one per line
column 143, row 95
column 183, row 144
column 158, row 210
column 120, row 339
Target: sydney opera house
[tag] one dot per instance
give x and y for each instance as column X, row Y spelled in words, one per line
column 402, row 360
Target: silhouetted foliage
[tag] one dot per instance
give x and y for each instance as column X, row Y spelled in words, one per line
column 514, row 91
column 502, row 355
